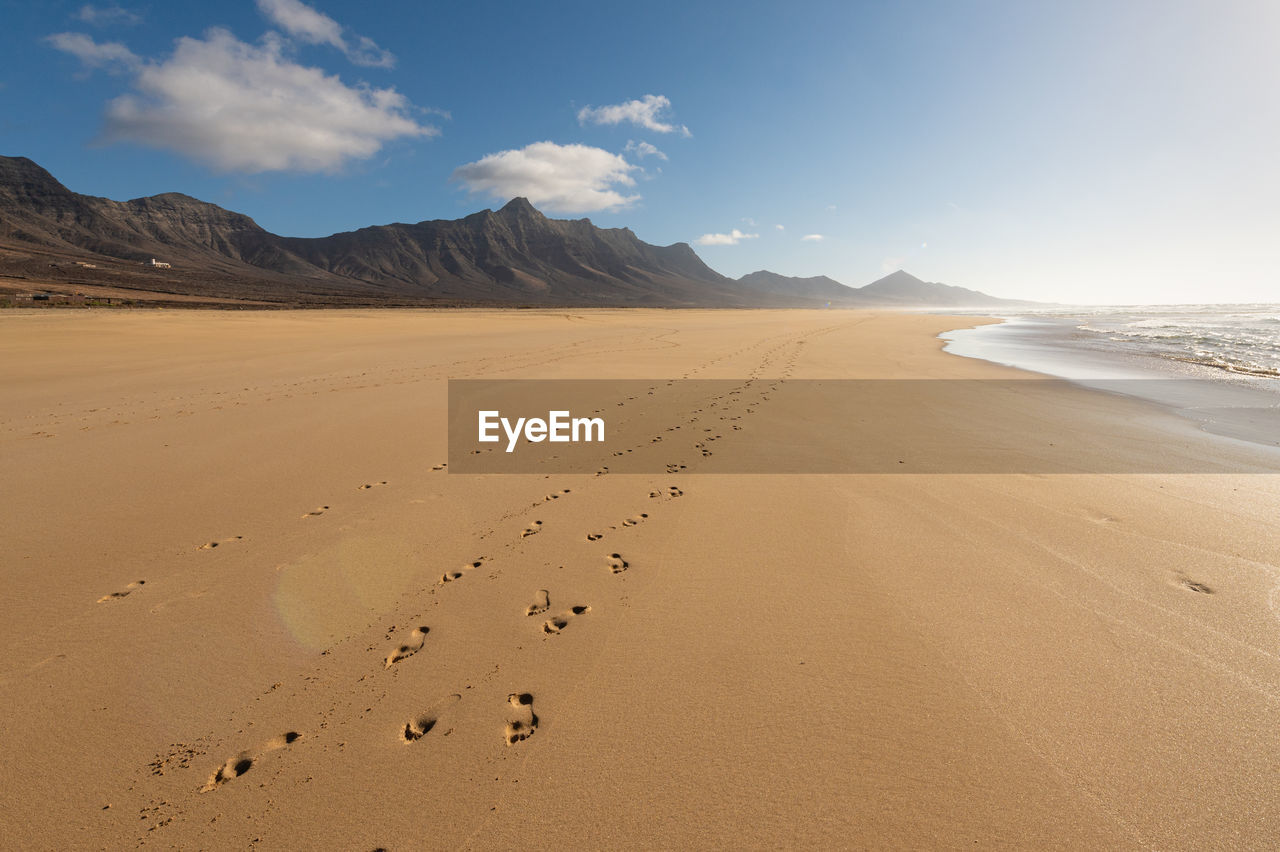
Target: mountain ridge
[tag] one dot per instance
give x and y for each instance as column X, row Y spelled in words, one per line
column 897, row 289
column 514, row 255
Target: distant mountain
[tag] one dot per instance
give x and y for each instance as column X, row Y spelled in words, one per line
column 898, row 289
column 818, row 288
column 903, row 288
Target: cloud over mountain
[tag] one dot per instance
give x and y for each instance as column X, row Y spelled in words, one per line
column 560, row 178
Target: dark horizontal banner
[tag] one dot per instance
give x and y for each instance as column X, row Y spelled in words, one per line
column 818, row 426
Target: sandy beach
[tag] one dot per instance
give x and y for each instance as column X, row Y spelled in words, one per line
column 248, row 606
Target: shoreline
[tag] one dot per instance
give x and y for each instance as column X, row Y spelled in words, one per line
column 1223, row 403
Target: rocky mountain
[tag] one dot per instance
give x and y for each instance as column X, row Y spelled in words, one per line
column 820, row 288
column 512, row 256
column 897, row 290
column 37, row 210
column 903, row 288
column 516, row 254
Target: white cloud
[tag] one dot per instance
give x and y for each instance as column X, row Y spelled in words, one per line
column 103, row 16
column 560, row 178
column 644, row 149
column 643, row 112
column 730, row 239
column 314, row 27
column 780, row 227
column 111, row 55
column 813, row 238
column 301, row 21
column 367, row 53
column 831, row 207
column 246, row 108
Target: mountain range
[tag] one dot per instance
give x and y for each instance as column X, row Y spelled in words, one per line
column 511, row 256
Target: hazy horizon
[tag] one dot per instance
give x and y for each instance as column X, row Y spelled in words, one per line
column 1089, row 155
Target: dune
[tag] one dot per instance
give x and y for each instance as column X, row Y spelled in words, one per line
column 248, row 604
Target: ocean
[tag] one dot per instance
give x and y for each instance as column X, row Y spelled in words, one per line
column 1216, row 364
column 1236, row 338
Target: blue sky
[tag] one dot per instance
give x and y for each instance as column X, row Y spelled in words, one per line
column 1083, row 152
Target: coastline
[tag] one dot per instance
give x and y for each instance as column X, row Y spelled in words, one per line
column 893, row 660
column 1230, row 405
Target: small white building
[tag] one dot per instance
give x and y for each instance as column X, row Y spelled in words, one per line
column 158, row 264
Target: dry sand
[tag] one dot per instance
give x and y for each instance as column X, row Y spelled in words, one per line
column 770, row 661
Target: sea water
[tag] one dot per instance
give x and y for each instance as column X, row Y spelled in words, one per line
column 1218, row 364
column 1235, row 338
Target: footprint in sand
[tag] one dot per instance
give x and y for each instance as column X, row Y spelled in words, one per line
column 594, row 536
column 521, row 721
column 559, row 622
column 616, row 563
column 450, row 576
column 369, row 485
column 245, row 760
column 1193, row 586
column 319, row 510
column 670, row 493
column 416, row 640
column 551, row 497
column 123, row 593
column 541, row 603
column 635, row 519
column 420, row 725
column 440, row 466
column 212, row 544
column 532, row 529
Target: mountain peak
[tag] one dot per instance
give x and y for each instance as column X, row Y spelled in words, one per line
column 23, row 165
column 899, row 276
column 901, row 287
column 520, row 206
column 818, row 287
column 22, row 172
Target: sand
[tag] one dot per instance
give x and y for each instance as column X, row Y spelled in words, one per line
column 224, row 539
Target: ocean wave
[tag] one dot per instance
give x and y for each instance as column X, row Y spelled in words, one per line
column 1243, row 339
